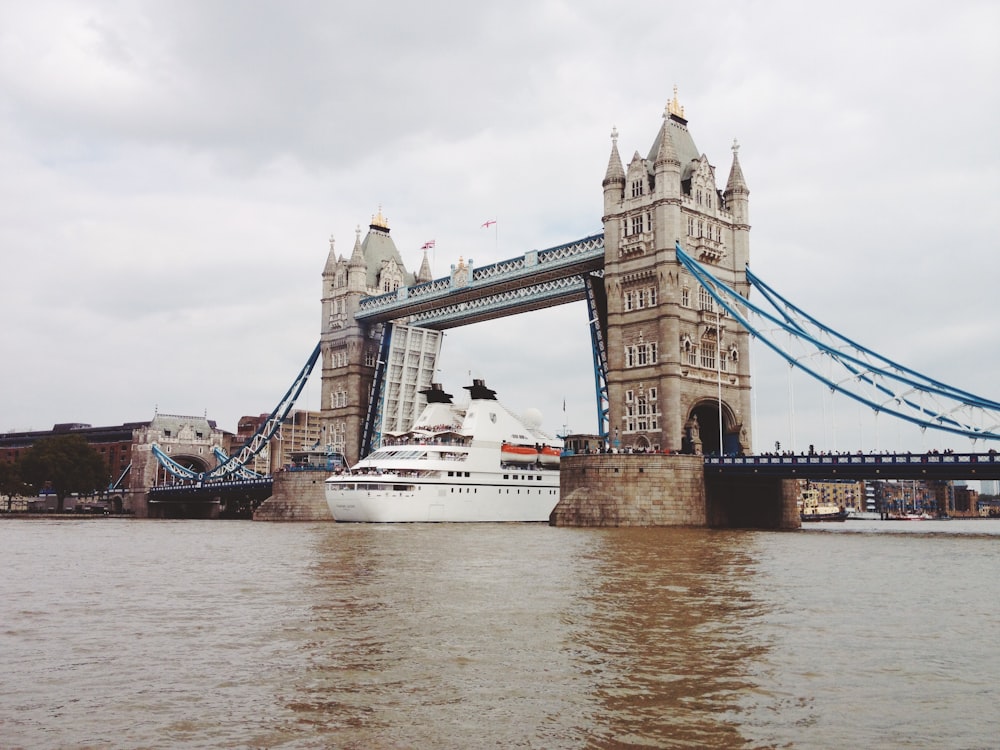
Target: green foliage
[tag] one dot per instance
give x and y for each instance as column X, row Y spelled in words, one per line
column 67, row 464
column 11, row 484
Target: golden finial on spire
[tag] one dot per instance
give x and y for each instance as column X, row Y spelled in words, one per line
column 379, row 220
column 614, row 135
column 674, row 107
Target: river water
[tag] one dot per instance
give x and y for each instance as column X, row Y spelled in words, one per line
column 235, row 634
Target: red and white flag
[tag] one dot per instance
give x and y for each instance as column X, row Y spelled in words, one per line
column 427, row 245
column 487, row 224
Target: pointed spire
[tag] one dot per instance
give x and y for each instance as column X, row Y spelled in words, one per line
column 424, row 274
column 357, row 256
column 615, row 173
column 667, row 152
column 331, row 259
column 736, row 184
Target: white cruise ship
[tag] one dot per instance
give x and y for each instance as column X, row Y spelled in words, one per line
column 456, row 464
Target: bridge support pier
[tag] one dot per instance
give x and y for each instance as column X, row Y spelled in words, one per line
column 640, row 489
column 297, row 496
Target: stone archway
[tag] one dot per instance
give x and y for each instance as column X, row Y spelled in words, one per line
column 194, row 463
column 641, row 444
column 701, row 430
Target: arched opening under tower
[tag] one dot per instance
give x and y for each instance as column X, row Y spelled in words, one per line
column 193, row 463
column 702, row 432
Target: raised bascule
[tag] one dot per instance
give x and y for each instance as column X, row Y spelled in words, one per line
column 670, row 316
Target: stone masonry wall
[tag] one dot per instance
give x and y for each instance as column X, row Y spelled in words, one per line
column 298, row 496
column 630, row 489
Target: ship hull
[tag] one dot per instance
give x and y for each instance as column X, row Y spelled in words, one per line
column 484, row 499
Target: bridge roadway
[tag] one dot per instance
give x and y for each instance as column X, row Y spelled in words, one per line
column 236, row 498
column 538, row 279
column 859, row 466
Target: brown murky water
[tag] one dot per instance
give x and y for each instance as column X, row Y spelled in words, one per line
column 214, row 634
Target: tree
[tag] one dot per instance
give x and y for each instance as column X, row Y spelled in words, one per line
column 11, row 484
column 66, row 463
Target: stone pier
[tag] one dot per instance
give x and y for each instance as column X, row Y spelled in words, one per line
column 652, row 489
column 298, row 496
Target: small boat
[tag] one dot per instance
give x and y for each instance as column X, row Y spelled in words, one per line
column 455, row 464
column 863, row 515
column 812, row 508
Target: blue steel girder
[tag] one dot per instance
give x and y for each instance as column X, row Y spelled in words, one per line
column 236, row 464
column 904, row 393
column 555, row 272
column 373, row 417
column 597, row 315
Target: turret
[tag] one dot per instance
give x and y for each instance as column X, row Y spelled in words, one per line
column 737, row 193
column 737, row 197
column 667, row 166
column 614, row 178
column 329, row 286
column 424, row 273
column 357, row 268
column 614, row 191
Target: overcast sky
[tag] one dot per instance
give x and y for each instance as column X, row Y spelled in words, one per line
column 171, row 173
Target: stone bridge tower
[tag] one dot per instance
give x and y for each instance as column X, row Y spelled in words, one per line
column 678, row 367
column 349, row 349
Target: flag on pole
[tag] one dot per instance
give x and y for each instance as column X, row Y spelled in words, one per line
column 427, row 245
column 487, row 224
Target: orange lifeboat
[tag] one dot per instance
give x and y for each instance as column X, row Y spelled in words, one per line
column 518, row 454
column 549, row 456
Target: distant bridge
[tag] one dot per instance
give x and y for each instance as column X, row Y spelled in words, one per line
column 859, row 466
column 237, row 498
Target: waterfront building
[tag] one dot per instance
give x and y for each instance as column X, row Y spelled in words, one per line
column 127, row 451
column 848, row 494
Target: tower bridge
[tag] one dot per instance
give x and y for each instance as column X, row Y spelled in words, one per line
column 670, row 317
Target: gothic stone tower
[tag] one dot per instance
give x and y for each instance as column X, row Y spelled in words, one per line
column 350, row 349
column 675, row 360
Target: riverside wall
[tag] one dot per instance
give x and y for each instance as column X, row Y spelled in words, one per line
column 297, row 496
column 653, row 489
